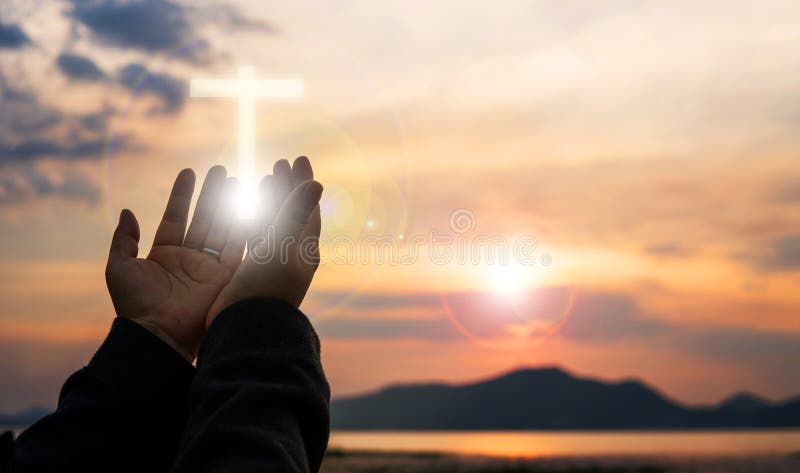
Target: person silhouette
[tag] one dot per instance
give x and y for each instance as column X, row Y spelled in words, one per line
column 257, row 400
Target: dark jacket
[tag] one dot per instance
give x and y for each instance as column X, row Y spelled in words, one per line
column 257, row 401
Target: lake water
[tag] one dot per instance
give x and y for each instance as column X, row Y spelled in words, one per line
column 577, row 444
column 572, row 444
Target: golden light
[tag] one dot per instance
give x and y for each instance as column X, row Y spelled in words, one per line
column 507, row 279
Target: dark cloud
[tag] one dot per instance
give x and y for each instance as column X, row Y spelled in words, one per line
column 170, row 90
column 780, row 255
column 229, row 17
column 597, row 318
column 12, row 36
column 158, row 26
column 31, row 131
column 378, row 301
column 79, row 67
column 378, row 327
column 96, row 122
column 44, row 148
column 485, row 315
column 354, row 327
column 668, row 249
column 788, row 193
column 25, row 184
column 608, row 317
column 149, row 25
column 26, row 133
column 742, row 345
column 21, row 113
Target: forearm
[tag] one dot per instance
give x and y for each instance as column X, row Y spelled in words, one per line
column 122, row 412
column 259, row 401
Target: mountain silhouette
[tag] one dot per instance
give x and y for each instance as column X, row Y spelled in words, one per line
column 745, row 403
column 547, row 399
column 533, row 399
column 25, row 417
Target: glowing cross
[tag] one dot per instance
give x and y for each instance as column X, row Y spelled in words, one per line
column 246, row 89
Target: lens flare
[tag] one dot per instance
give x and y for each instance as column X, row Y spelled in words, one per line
column 510, row 323
column 507, row 280
column 363, row 178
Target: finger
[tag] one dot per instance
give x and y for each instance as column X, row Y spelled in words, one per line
column 206, row 206
column 173, row 223
column 296, row 212
column 281, row 181
column 267, row 205
column 223, row 217
column 314, row 226
column 125, row 242
column 232, row 252
column 309, row 249
column 301, row 171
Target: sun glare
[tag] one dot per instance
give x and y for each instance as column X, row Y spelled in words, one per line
column 247, row 201
column 507, row 279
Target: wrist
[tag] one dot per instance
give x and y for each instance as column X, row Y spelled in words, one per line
column 222, row 301
column 162, row 335
column 228, row 298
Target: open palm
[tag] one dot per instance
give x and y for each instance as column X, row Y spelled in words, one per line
column 284, row 254
column 170, row 291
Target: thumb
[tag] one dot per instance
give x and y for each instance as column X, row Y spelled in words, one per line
column 297, row 209
column 125, row 242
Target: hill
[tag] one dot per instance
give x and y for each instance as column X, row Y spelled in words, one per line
column 546, row 399
column 24, row 418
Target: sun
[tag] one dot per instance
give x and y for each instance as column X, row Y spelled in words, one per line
column 507, row 279
column 247, row 204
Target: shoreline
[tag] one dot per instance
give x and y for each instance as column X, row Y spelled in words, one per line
column 357, row 461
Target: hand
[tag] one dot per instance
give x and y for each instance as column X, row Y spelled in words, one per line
column 169, row 292
column 284, row 253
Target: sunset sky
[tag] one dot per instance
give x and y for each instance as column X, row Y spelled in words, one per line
column 651, row 148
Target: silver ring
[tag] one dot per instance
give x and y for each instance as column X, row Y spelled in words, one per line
column 212, row 252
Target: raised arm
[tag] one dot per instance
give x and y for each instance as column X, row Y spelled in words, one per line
column 123, row 412
column 260, row 401
column 126, row 409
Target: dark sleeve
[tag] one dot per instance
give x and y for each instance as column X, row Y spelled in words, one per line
column 259, row 400
column 123, row 412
